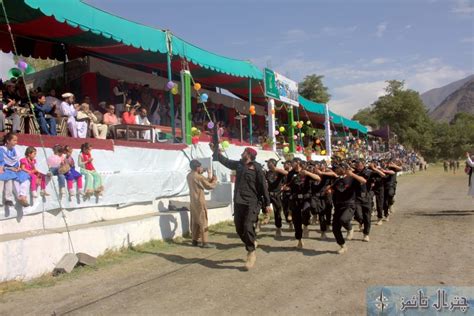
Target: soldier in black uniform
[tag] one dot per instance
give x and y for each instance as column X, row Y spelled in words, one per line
column 390, row 187
column 250, row 193
column 344, row 195
column 275, row 179
column 298, row 186
column 377, row 187
column 285, row 198
column 363, row 202
column 322, row 198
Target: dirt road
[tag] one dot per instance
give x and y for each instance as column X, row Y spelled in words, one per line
column 429, row 241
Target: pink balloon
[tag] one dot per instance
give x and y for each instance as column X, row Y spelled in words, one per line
column 170, row 85
column 276, row 133
column 295, row 137
column 22, row 65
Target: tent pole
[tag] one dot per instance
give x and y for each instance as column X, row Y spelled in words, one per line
column 291, row 129
column 170, row 78
column 250, row 115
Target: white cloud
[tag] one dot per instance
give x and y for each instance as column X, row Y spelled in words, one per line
column 468, row 40
column 353, row 97
column 381, row 61
column 338, row 31
column 408, row 26
column 6, row 62
column 381, row 28
column 295, row 36
column 432, row 74
column 463, row 7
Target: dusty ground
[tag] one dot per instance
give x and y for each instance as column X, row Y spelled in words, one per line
column 429, row 241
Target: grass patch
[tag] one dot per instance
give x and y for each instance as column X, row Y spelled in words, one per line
column 109, row 258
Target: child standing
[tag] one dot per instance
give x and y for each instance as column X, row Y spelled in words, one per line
column 12, row 174
column 55, row 163
column 28, row 165
column 72, row 175
column 93, row 179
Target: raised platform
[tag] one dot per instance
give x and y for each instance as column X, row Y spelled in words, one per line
column 37, row 248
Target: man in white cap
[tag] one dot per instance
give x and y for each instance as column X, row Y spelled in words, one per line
column 69, row 109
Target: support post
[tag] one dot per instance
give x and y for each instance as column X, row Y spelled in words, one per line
column 327, row 124
column 291, row 129
column 250, row 115
column 271, row 122
column 186, row 115
column 170, row 78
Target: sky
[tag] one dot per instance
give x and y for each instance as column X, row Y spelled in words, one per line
column 355, row 44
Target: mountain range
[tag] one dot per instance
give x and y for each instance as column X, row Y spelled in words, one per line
column 443, row 103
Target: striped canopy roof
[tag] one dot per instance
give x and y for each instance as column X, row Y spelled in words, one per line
column 48, row 28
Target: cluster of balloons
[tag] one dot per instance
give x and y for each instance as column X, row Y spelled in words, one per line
column 252, row 110
column 173, row 87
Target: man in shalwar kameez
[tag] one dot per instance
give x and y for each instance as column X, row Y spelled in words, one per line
column 197, row 183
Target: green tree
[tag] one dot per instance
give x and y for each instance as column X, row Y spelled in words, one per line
column 406, row 115
column 312, row 88
column 366, row 117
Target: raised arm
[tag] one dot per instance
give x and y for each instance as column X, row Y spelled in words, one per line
column 281, row 171
column 311, row 175
column 360, row 179
column 205, row 183
column 469, row 160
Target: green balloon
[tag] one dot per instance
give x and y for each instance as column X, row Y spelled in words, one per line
column 225, row 144
column 286, row 149
column 14, row 73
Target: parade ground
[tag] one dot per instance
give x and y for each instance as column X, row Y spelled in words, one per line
column 428, row 242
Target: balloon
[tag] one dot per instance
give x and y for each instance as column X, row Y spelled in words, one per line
column 298, row 148
column 308, row 122
column 204, row 97
column 276, row 133
column 295, row 123
column 318, row 141
column 252, row 108
column 193, row 129
column 225, row 144
column 14, row 73
column 175, row 90
column 339, row 142
column 323, row 152
column 282, row 129
column 302, row 134
column 286, row 149
column 195, row 140
column 295, row 137
column 299, row 126
column 335, row 133
column 197, row 86
column 22, row 65
column 273, row 111
column 210, row 125
column 29, row 70
column 170, row 85
column 253, row 112
column 347, row 137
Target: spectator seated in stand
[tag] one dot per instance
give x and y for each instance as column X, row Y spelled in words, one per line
column 8, row 101
column 129, row 116
column 77, row 128
column 110, row 119
column 98, row 129
column 45, row 114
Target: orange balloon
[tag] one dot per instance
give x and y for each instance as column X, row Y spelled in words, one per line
column 273, row 111
column 252, row 112
column 197, row 86
column 252, row 108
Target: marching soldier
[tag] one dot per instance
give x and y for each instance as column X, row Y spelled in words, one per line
column 275, row 179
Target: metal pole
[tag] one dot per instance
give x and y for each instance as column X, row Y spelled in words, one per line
column 271, row 122
column 250, row 115
column 170, row 78
column 327, row 124
column 291, row 129
column 241, row 134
